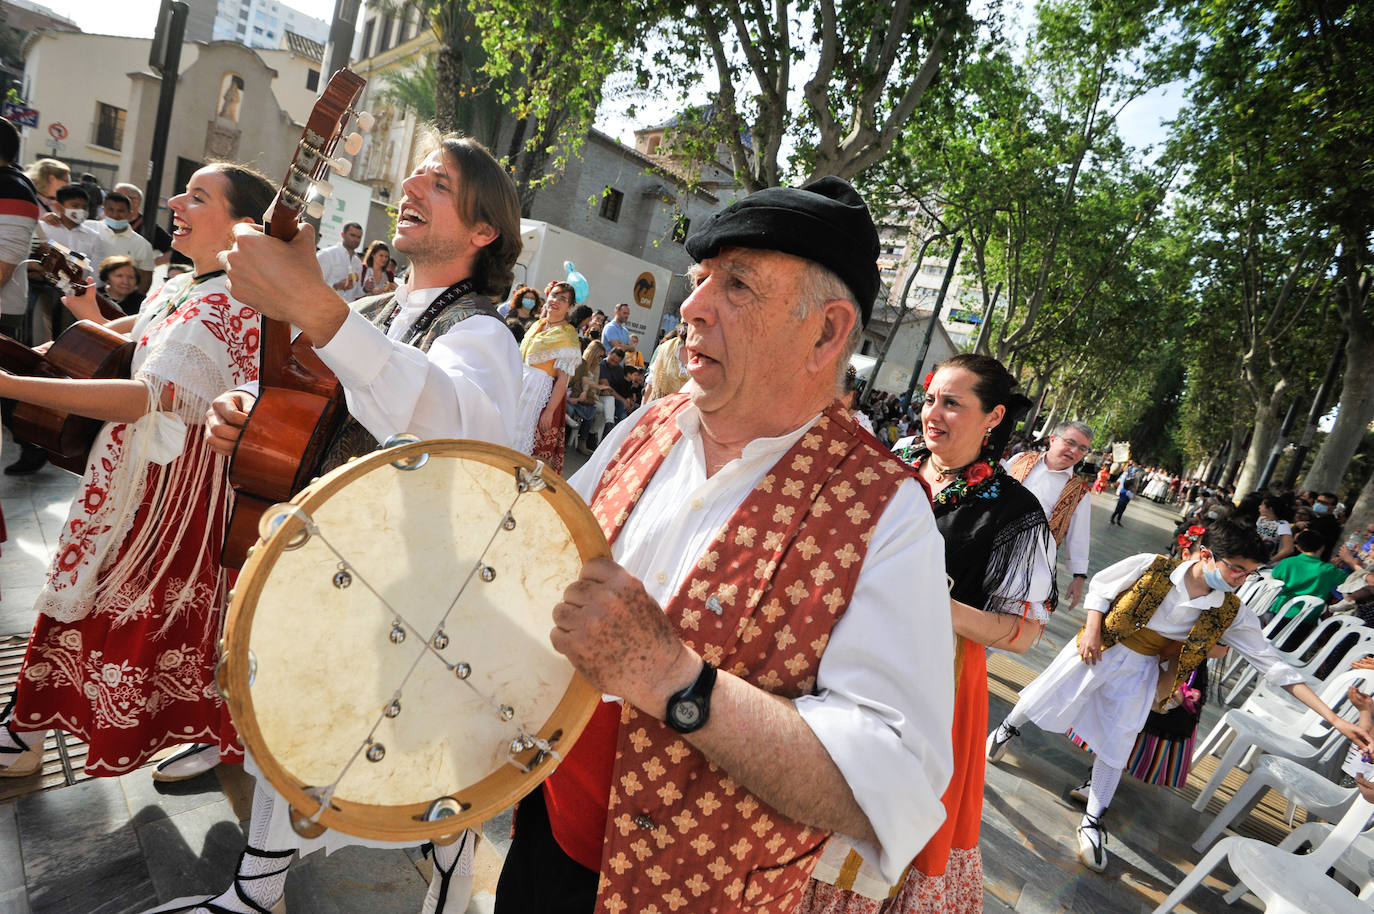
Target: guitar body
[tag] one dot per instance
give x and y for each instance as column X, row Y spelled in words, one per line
column 300, row 403
column 86, row 351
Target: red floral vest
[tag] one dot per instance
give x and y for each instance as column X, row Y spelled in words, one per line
column 681, row 835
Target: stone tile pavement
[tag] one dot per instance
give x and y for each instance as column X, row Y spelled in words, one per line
column 111, row 846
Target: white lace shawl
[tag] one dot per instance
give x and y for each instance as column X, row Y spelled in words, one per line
column 196, row 342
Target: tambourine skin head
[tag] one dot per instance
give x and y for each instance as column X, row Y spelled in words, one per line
column 388, row 725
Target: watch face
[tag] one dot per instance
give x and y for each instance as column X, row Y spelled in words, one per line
column 686, row 713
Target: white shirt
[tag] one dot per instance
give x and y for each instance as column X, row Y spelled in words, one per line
column 1047, row 485
column 885, row 685
column 128, row 242
column 336, row 263
column 16, row 237
column 1175, row 616
column 81, row 238
column 465, row 387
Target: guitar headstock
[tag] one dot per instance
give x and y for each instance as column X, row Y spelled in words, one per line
column 314, row 155
column 64, row 268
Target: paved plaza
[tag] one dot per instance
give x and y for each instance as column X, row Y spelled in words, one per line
column 76, row 845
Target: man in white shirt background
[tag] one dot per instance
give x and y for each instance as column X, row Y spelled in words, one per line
column 341, row 265
column 120, row 238
column 1063, row 496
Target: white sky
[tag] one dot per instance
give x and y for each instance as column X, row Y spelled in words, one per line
column 1140, row 123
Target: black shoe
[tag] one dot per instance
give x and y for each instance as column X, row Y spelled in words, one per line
column 31, row 460
column 998, row 739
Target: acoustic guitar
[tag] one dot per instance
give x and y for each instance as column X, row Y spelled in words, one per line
column 84, row 350
column 300, row 403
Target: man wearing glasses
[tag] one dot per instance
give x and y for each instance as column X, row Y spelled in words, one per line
column 1151, row 620
column 1050, row 477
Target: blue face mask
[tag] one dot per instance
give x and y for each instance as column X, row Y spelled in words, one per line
column 1320, row 508
column 1215, row 581
column 118, row 225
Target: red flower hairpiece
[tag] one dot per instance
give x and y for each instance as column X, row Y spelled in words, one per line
column 926, row 383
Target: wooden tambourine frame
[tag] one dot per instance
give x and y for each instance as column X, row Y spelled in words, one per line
column 478, row 801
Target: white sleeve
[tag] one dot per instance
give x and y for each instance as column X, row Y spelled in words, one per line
column 1246, row 636
column 331, row 266
column 467, row 386
column 1079, row 539
column 144, row 255
column 1108, row 583
column 884, row 708
column 16, row 237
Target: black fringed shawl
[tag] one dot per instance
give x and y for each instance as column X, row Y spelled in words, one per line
column 992, row 531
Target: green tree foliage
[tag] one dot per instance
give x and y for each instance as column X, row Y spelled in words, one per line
column 523, row 78
column 837, row 80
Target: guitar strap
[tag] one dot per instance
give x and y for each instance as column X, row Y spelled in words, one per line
column 455, row 304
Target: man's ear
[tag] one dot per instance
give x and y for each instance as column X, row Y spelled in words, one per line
column 838, row 318
column 483, row 234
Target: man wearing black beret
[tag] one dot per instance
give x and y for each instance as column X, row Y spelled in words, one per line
column 772, row 633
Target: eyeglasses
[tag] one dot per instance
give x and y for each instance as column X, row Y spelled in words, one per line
column 1075, row 446
column 1236, row 569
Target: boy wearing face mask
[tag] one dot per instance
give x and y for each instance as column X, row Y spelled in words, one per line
column 119, row 238
column 72, row 231
column 1151, row 621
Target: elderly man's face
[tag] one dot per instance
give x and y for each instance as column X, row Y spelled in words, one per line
column 746, row 348
column 1067, row 449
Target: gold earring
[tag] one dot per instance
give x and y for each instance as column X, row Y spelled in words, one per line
column 987, row 436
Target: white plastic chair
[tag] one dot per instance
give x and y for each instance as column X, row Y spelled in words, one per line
column 1298, row 785
column 1269, row 699
column 1275, row 706
column 1334, row 634
column 1252, row 733
column 1287, row 883
column 1257, row 596
column 1355, row 865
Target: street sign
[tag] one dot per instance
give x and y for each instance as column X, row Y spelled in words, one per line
column 20, row 115
column 57, row 131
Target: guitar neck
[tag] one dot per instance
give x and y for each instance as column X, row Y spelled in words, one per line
column 310, row 165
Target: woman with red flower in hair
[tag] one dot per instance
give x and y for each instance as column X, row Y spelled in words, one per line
column 999, row 555
column 123, row 653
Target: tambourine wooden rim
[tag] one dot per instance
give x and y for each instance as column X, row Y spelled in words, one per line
column 481, row 800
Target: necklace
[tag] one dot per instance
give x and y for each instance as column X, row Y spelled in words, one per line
column 944, row 472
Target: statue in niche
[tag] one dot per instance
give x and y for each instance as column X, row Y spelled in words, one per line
column 232, row 97
column 377, row 163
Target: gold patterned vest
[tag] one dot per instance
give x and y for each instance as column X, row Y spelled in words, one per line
column 681, row 835
column 1131, row 611
column 1061, row 515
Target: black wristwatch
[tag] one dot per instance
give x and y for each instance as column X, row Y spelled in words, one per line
column 1083, row 576
column 689, row 709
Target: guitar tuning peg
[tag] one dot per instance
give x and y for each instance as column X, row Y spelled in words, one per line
column 324, row 188
column 365, row 121
column 353, row 144
column 341, row 166
column 314, row 209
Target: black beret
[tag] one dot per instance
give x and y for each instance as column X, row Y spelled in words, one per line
column 825, row 221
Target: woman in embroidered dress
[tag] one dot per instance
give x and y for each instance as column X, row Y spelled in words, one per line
column 551, row 354
column 1000, row 558
column 124, row 650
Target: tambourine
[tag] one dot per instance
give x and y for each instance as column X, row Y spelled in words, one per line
column 386, row 653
